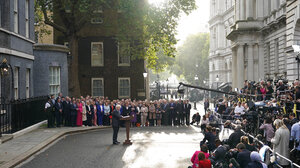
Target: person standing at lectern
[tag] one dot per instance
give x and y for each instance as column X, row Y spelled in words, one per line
column 116, row 123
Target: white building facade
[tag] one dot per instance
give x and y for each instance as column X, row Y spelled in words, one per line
column 220, row 55
column 262, row 35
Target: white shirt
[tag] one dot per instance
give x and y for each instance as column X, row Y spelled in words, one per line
column 239, row 110
column 47, row 105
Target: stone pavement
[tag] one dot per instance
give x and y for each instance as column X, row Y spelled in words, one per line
column 21, row 148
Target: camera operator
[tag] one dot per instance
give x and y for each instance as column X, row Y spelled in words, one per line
column 219, row 153
column 235, row 137
column 280, row 88
column 243, row 156
column 269, row 91
column 297, row 101
column 295, row 136
column 210, row 137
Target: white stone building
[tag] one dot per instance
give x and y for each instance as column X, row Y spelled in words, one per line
column 221, row 19
column 262, row 35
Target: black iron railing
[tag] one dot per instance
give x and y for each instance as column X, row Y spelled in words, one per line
column 19, row 114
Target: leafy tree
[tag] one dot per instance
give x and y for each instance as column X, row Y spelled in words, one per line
column 192, row 59
column 148, row 29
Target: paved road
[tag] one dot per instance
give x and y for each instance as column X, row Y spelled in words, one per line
column 155, row 147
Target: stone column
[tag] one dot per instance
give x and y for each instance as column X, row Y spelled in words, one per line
column 249, row 9
column 255, row 67
column 234, row 68
column 240, row 66
column 261, row 59
column 242, row 10
column 250, row 62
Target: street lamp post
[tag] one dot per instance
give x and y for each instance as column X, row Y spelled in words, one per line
column 196, row 79
column 145, row 74
column 4, row 68
column 168, row 88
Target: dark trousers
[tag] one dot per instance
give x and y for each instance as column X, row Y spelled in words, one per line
column 115, row 134
column 182, row 118
column 58, row 118
column 89, row 119
column 170, row 119
column 187, row 118
column 73, row 120
column 67, row 119
column 51, row 117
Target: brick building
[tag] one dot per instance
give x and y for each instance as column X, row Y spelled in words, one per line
column 103, row 70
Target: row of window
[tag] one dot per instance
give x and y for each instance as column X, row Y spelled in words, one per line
column 123, row 87
column 97, row 54
column 97, row 87
column 16, row 17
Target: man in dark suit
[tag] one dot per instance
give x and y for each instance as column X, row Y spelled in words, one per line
column 235, row 137
column 116, row 123
column 58, row 112
column 180, row 113
column 171, row 112
column 206, row 105
column 218, row 155
column 66, row 111
column 243, row 157
column 187, row 109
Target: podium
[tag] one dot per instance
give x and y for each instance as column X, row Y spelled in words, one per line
column 127, row 125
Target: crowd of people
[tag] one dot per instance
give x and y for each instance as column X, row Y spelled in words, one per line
column 270, row 111
column 97, row 111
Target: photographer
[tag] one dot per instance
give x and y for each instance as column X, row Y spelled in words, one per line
column 235, row 137
column 269, row 91
column 295, row 135
column 243, row 157
column 210, row 138
column 219, row 153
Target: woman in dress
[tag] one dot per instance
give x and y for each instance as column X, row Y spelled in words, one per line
column 158, row 115
column 152, row 113
column 144, row 114
column 79, row 113
column 106, row 120
column 133, row 113
column 84, row 119
column 94, row 114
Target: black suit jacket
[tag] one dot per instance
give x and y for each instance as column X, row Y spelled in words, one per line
column 58, row 106
column 243, row 158
column 66, row 107
column 179, row 108
column 116, row 118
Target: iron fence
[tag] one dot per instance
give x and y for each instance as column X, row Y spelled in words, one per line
column 19, row 114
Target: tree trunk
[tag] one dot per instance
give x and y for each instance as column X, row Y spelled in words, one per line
column 74, row 86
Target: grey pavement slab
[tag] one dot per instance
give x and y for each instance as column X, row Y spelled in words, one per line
column 20, row 148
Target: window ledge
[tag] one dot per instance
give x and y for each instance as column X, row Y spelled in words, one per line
column 17, row 35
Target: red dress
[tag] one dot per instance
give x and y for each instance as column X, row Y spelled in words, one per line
column 204, row 163
column 79, row 115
